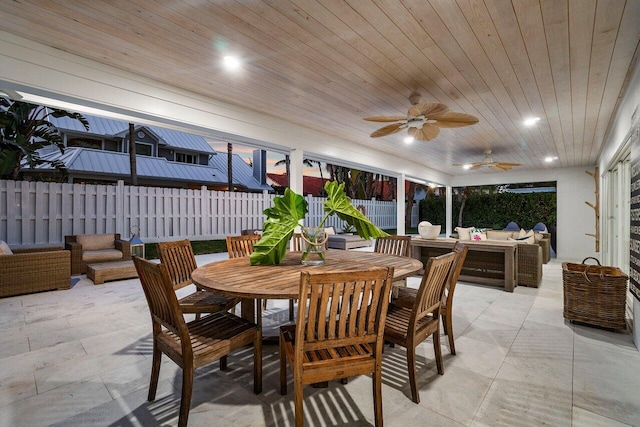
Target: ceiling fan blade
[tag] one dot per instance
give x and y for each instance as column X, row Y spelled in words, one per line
column 385, row 118
column 509, row 164
column 388, row 130
column 475, row 166
column 501, row 167
column 452, row 119
column 428, row 109
column 427, row 133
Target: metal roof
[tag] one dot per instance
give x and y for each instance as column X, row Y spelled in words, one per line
column 87, row 160
column 117, row 164
column 103, row 126
column 242, row 172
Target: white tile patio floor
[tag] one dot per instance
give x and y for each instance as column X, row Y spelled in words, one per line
column 82, row 357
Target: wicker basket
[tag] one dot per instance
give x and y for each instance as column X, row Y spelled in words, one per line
column 594, row 294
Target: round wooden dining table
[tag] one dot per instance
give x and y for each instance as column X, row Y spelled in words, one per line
column 236, row 277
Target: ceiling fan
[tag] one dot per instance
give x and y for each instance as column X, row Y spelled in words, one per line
column 423, row 120
column 488, row 162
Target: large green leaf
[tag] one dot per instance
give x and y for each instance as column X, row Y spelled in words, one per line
column 337, row 202
column 281, row 221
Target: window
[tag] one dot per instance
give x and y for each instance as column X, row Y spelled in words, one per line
column 84, row 142
column 110, row 145
column 187, row 158
column 143, row 149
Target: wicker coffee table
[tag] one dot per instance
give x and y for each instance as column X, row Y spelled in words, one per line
column 99, row 273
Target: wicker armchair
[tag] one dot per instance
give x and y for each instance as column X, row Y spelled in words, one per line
column 34, row 270
column 103, row 248
column 529, row 265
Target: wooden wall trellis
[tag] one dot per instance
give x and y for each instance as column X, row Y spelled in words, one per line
column 42, row 213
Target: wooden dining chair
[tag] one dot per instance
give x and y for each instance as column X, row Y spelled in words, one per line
column 297, row 245
column 242, row 246
column 394, row 245
column 180, row 261
column 338, row 333
column 408, row 327
column 406, row 296
column 194, row 344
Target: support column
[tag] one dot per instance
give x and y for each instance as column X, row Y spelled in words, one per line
column 295, row 165
column 401, row 205
column 448, row 210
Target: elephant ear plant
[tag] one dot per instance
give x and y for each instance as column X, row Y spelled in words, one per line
column 284, row 217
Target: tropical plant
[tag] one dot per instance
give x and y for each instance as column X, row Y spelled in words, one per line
column 24, row 129
column 286, row 213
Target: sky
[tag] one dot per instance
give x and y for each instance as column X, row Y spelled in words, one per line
column 272, row 157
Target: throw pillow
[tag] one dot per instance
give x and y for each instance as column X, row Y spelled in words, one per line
column 522, row 234
column 464, row 233
column 478, row 235
column 96, row 242
column 498, row 235
column 5, row 249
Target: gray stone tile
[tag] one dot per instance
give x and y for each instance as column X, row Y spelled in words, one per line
column 606, row 382
column 582, row 417
column 56, row 405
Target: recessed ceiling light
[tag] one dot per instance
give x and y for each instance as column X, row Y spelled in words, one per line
column 467, row 166
column 550, row 159
column 408, row 140
column 531, row 121
column 231, row 63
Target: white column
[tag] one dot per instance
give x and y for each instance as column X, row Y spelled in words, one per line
column 448, row 210
column 401, row 205
column 295, row 166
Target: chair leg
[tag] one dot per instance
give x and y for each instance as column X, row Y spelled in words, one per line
column 187, row 389
column 411, row 365
column 264, row 304
column 198, row 316
column 283, row 369
column 155, row 372
column 290, row 310
column 448, row 330
column 438, row 351
column 297, row 399
column 257, row 363
column 223, row 363
column 377, row 394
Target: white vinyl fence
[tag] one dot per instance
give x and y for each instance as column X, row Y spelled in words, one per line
column 42, row 213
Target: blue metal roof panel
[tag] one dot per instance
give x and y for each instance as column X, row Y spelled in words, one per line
column 109, row 127
column 108, row 162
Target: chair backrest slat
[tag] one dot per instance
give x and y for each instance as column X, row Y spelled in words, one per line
column 180, row 261
column 460, row 250
column 393, row 245
column 161, row 297
column 432, row 285
column 342, row 308
column 297, row 244
column 241, row 246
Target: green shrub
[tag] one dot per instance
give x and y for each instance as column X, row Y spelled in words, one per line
column 495, row 210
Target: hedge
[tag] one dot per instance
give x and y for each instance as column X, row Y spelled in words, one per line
column 495, row 210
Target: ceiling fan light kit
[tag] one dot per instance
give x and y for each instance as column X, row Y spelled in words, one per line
column 423, row 120
column 488, row 162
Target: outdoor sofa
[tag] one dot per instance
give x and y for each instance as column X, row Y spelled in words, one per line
column 533, row 250
column 25, row 271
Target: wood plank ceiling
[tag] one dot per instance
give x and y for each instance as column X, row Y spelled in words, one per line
column 327, row 64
